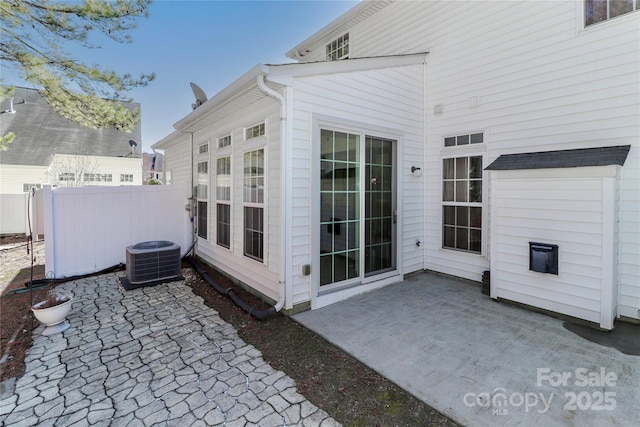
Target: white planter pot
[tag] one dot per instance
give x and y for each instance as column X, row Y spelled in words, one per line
column 53, row 317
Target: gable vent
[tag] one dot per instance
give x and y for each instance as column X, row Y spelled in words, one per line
column 153, row 261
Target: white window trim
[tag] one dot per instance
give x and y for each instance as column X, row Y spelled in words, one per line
column 264, row 205
column 471, row 150
column 254, row 138
column 320, row 298
column 201, row 158
column 225, row 202
column 581, row 23
column 224, row 147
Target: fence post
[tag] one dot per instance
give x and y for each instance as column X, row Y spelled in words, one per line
column 49, row 246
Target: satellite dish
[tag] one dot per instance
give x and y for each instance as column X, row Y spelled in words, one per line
column 201, row 98
column 132, row 143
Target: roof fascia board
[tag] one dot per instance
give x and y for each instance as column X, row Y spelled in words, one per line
column 343, row 20
column 280, row 73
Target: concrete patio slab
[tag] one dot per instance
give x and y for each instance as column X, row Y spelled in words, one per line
column 152, row 356
column 482, row 362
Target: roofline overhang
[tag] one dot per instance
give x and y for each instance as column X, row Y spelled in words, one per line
column 284, row 75
column 343, row 22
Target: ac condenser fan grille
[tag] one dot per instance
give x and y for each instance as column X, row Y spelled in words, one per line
column 153, row 261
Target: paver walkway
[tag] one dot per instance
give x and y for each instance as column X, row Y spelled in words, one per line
column 151, row 356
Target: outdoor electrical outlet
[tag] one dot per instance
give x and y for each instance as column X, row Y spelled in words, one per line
column 305, row 269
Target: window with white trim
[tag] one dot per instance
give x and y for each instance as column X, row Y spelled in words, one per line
column 126, row 177
column 596, row 11
column 203, row 148
column 339, row 48
column 225, row 141
column 66, row 176
column 462, row 199
column 253, row 199
column 223, row 202
column 254, row 131
column 202, row 197
column 97, row 177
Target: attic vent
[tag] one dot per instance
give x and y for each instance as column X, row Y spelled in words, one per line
column 153, row 261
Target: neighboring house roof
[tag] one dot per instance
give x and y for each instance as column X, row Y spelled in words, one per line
column 600, row 156
column 41, row 133
column 338, row 27
column 245, row 91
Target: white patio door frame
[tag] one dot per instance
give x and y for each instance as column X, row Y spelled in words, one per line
column 328, row 294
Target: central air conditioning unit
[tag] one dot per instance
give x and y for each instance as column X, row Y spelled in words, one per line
column 153, row 261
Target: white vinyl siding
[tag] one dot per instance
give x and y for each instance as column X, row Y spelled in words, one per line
column 531, row 72
column 12, row 177
column 372, row 101
column 263, row 277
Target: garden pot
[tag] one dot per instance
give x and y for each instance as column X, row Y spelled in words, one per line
column 53, row 317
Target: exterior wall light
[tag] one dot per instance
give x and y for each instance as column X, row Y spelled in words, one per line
column 416, row 171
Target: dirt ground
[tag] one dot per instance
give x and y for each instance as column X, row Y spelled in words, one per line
column 349, row 391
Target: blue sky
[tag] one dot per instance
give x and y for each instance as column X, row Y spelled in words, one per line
column 210, row 43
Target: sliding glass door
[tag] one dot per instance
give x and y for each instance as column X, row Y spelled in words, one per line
column 357, row 207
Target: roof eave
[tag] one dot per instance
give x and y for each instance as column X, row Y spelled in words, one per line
column 239, row 85
column 345, row 21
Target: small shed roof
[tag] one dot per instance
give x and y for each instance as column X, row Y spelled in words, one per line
column 41, row 133
column 599, row 156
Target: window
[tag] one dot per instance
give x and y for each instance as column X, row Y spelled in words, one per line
column 225, row 141
column 455, row 141
column 66, row 176
column 339, row 48
column 97, row 177
column 601, row 10
column 462, row 196
column 203, row 149
column 202, row 197
column 462, row 203
column 254, row 204
column 223, row 206
column 126, row 177
column 27, row 187
column 254, row 131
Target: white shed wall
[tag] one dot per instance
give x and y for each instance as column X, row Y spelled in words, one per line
column 571, row 212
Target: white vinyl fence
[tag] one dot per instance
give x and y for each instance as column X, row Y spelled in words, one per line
column 15, row 210
column 88, row 228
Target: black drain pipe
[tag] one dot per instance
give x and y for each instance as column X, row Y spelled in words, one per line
column 257, row 313
column 39, row 282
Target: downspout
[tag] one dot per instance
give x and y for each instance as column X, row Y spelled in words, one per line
column 424, row 165
column 192, row 201
column 284, row 168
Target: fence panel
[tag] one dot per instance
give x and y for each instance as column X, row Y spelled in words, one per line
column 88, row 228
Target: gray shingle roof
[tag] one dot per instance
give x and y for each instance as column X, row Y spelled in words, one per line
column 600, row 156
column 41, row 133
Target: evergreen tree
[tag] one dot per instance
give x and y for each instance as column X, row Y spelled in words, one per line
column 33, row 34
